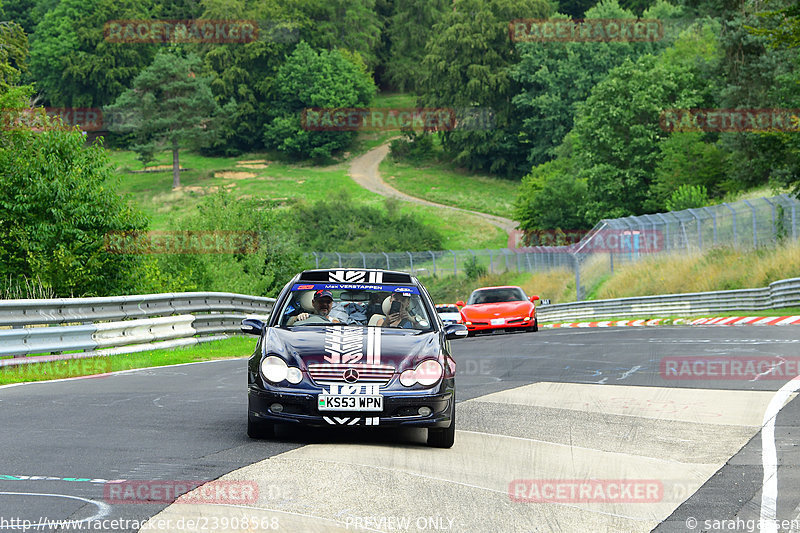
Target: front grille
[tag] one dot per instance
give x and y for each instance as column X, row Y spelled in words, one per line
column 332, row 373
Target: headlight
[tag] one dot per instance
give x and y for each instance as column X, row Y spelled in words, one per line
column 274, row 369
column 294, row 375
column 427, row 373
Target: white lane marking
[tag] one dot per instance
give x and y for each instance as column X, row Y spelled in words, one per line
column 103, row 509
column 129, row 371
column 769, row 456
column 629, row 372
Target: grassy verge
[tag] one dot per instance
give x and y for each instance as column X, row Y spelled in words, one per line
column 444, row 184
column 233, row 347
column 714, row 270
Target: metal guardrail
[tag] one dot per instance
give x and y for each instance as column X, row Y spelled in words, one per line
column 119, row 324
column 784, row 293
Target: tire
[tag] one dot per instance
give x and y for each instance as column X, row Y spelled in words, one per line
column 259, row 429
column 444, row 437
column 535, row 327
column 470, row 333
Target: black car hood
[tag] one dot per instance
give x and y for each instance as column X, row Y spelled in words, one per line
column 355, row 345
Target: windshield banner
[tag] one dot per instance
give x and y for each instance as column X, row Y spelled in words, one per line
column 354, row 287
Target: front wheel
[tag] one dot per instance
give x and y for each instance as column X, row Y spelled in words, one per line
column 444, row 437
column 535, row 326
column 259, row 429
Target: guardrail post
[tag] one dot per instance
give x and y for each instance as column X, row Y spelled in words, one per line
column 714, row 218
column 755, row 227
column 433, row 257
column 733, row 211
column 387, row 260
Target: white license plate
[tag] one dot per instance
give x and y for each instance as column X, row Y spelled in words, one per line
column 350, row 402
column 498, row 321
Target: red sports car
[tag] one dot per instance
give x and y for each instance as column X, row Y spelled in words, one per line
column 499, row 308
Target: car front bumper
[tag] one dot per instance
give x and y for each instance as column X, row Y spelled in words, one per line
column 398, row 410
column 489, row 328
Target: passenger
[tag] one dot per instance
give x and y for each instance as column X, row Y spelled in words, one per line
column 402, row 318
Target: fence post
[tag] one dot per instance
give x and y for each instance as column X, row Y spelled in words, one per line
column 340, row 258
column 363, row 259
column 433, row 256
column 794, row 219
column 506, row 256
column 714, row 218
column 316, row 259
column 666, row 223
column 387, row 260
column 455, row 264
column 699, row 228
column 410, row 263
column 774, row 229
column 735, row 237
column 491, row 260
column 577, row 278
column 755, row 227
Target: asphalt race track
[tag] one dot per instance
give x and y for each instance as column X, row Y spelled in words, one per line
column 557, row 407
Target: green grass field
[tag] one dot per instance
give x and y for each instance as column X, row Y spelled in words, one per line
column 237, row 346
column 444, row 184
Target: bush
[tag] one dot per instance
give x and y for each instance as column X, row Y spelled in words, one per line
column 473, row 269
column 415, row 148
column 340, row 224
column 687, row 197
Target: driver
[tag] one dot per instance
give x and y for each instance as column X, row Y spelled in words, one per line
column 322, row 303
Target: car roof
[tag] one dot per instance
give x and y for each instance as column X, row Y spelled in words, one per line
column 357, row 275
column 500, row 287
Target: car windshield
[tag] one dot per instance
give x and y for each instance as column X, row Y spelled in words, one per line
column 348, row 305
column 488, row 296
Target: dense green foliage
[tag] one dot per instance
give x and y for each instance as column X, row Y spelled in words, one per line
column 57, row 204
column 311, row 79
column 339, row 225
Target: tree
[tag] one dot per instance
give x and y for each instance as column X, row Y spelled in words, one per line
column 618, row 130
column 555, row 77
column 409, row 28
column 57, row 204
column 169, row 106
column 72, row 62
column 468, row 64
column 13, row 54
column 551, row 197
column 686, row 158
column 687, row 197
column 315, row 79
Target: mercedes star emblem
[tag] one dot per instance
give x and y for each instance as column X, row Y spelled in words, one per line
column 350, row 375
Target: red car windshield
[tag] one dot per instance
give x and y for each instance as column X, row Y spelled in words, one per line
column 488, row 296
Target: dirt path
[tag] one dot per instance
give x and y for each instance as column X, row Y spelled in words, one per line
column 364, row 171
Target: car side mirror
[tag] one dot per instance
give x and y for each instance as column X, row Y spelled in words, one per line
column 534, row 298
column 252, row 326
column 460, row 303
column 455, row 331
